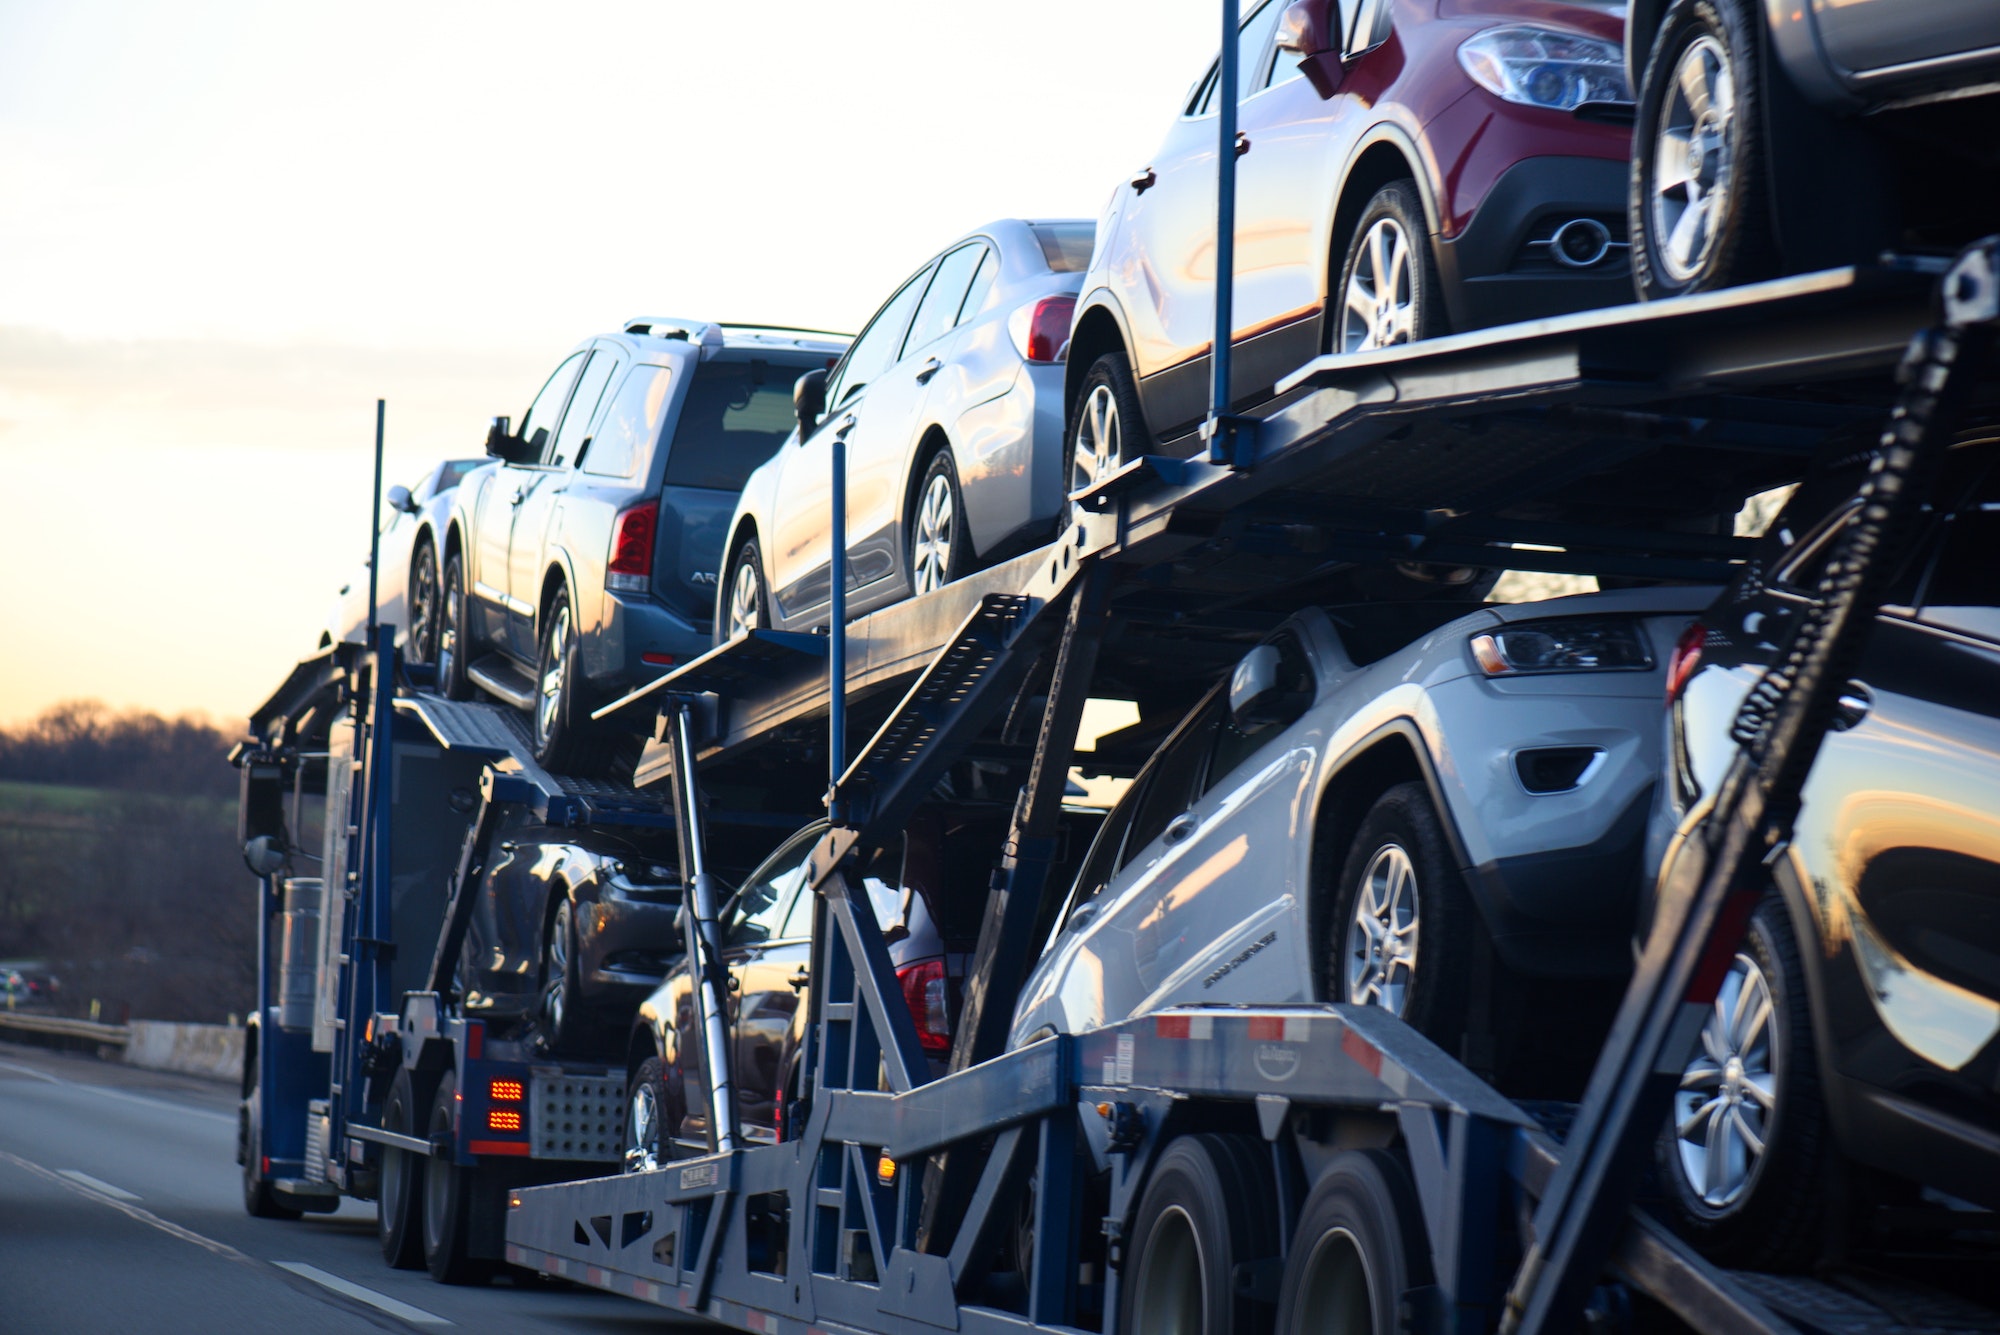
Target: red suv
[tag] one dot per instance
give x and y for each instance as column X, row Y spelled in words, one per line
column 1406, row 168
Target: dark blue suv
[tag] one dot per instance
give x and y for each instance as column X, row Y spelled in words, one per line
column 586, row 563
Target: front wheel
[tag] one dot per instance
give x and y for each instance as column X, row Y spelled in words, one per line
column 940, row 550
column 556, row 1019
column 1698, row 215
column 646, row 1142
column 424, row 606
column 748, row 606
column 1389, row 290
column 454, row 633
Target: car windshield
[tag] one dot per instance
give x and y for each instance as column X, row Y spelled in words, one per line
column 1066, row 246
column 738, row 411
column 455, row 471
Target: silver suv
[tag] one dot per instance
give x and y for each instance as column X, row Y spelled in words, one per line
column 586, row 563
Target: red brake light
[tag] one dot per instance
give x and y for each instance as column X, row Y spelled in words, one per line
column 630, row 569
column 924, row 988
column 1686, row 658
column 1041, row 329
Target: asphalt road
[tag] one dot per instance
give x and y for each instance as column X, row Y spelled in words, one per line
column 121, row 1211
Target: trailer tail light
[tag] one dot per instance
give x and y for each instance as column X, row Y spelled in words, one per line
column 1040, row 329
column 506, row 1091
column 924, row 988
column 630, row 568
column 1686, row 658
column 503, row 1119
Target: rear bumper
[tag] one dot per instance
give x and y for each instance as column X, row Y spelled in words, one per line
column 1494, row 273
column 633, row 626
column 1009, row 454
column 625, row 947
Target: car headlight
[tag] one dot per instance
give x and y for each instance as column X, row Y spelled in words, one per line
column 1578, row 645
column 1546, row 67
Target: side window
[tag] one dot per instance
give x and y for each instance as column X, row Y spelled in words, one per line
column 939, row 311
column 1203, row 100
column 1104, row 859
column 798, row 924
column 1233, row 746
column 1253, row 45
column 1800, row 570
column 540, row 423
column 982, row 283
column 880, row 343
column 1350, row 14
column 582, row 410
column 760, row 907
column 632, row 423
column 1170, row 789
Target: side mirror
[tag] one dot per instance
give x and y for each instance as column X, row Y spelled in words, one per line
column 1255, row 693
column 265, row 855
column 400, row 499
column 501, row 442
column 1310, row 29
column 809, row 400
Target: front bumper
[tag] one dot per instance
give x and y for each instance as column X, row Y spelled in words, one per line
column 1496, row 272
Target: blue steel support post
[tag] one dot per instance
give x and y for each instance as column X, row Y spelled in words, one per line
column 1231, row 439
column 836, row 660
column 375, row 519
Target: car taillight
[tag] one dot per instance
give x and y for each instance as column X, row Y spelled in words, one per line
column 1040, row 329
column 630, row 569
column 924, row 987
column 1686, row 658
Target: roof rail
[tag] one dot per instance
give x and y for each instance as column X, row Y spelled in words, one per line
column 785, row 329
column 703, row 333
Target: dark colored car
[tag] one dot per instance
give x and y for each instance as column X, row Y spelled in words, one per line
column 586, row 563
column 1405, row 168
column 1790, row 137
column 928, row 893
column 573, row 929
column 1858, row 1022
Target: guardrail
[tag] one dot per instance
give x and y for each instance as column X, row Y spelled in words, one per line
column 55, row 1026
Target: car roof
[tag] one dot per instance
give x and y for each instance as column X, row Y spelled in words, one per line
column 657, row 336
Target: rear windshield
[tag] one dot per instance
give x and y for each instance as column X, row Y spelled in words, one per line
column 1066, row 246
column 737, row 413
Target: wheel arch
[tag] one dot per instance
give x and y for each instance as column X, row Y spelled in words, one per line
column 1098, row 330
column 933, row 442
column 1386, row 153
column 744, row 530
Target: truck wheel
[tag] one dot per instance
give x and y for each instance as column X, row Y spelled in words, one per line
column 259, row 1200
column 1746, row 1153
column 454, row 633
column 1210, row 1207
column 447, row 1209
column 399, row 1214
column 557, row 1021
column 1400, row 936
column 646, row 1144
column 1358, row 1247
column 748, row 606
column 1699, row 216
column 1389, row 288
column 1109, row 427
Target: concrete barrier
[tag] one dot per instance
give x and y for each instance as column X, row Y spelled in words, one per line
column 213, row 1050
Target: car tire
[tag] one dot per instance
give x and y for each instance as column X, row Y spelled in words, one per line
column 1107, row 427
column 566, row 740
column 454, row 633
column 1700, row 225
column 399, row 1211
column 558, row 1021
column 1209, row 1209
column 1762, row 1210
column 447, row 1208
column 1401, row 932
column 1389, row 251
column 746, row 602
column 260, row 1200
column 938, row 548
column 647, row 1144
column 1357, row 1249
column 420, row 645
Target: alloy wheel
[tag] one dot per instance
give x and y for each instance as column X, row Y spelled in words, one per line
column 555, row 665
column 1380, row 304
column 1692, row 159
column 1382, row 935
column 555, row 974
column 743, row 611
column 1729, row 1092
column 937, row 532
column 642, row 1153
column 1099, row 445
column 423, row 640
column 454, row 606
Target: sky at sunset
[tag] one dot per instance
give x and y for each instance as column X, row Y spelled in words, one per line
column 227, row 228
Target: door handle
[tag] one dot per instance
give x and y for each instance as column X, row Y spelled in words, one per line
column 518, row 496
column 846, row 425
column 1144, row 181
column 1180, row 827
column 930, row 368
column 799, row 980
column 734, row 984
column 1242, row 143
column 1852, row 707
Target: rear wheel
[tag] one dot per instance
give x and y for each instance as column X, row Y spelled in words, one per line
column 1400, row 936
column 646, row 1143
column 565, row 739
column 940, row 551
column 1358, row 1247
column 1389, row 288
column 749, row 604
column 399, row 1214
column 259, row 1200
column 454, row 633
column 557, row 1019
column 1210, row 1208
column 1697, row 202
column 1108, row 428
column 447, row 1208
column 425, row 604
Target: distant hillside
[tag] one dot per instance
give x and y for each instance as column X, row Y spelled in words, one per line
column 82, row 742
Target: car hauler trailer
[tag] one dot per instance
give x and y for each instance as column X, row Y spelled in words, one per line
column 1317, row 1166
column 364, row 1074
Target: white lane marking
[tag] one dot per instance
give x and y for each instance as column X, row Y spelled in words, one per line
column 105, row 1188
column 416, row 1316
column 142, row 1101
column 221, row 1249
